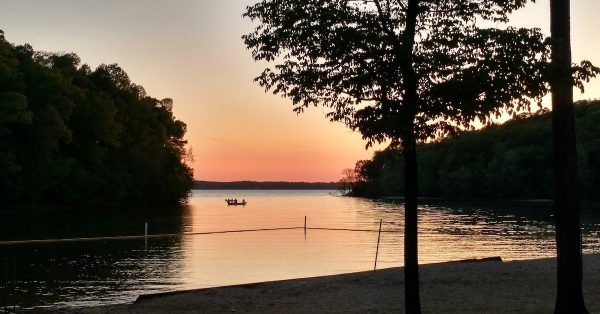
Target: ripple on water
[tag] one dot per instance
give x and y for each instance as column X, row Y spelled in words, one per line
column 105, row 272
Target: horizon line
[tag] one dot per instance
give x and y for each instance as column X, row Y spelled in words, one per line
column 267, row 181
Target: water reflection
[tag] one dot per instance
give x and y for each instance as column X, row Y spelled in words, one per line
column 92, row 223
column 100, row 272
column 91, row 272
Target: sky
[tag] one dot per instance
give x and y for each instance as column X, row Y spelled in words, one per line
column 192, row 51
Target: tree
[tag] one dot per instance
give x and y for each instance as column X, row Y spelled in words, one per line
column 569, row 293
column 349, row 179
column 404, row 71
column 71, row 137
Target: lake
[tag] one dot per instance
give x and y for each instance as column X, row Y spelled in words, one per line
column 88, row 273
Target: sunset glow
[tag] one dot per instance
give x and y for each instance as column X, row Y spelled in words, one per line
column 192, row 51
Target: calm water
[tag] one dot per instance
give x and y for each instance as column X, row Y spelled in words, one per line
column 115, row 271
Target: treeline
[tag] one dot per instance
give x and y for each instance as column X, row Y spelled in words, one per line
column 512, row 160
column 254, row 185
column 72, row 136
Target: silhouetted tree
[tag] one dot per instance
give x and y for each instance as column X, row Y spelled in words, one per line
column 399, row 70
column 569, row 294
column 71, row 136
column 348, row 180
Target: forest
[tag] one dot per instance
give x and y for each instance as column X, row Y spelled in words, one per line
column 511, row 160
column 76, row 137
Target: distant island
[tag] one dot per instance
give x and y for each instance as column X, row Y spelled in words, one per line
column 267, row 185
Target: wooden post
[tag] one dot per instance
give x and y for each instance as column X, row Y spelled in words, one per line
column 304, row 225
column 5, row 283
column 146, row 235
column 14, row 292
column 378, row 238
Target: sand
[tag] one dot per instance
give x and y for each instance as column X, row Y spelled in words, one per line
column 458, row 287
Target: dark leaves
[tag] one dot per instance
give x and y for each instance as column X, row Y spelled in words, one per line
column 73, row 137
column 353, row 58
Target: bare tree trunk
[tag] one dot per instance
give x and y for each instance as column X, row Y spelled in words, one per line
column 411, row 258
column 569, row 294
column 411, row 97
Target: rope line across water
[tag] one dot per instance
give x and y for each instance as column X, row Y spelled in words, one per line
column 134, row 237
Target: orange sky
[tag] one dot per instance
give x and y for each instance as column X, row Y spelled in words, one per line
column 191, row 51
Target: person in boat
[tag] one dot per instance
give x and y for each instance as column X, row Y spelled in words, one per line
column 243, row 201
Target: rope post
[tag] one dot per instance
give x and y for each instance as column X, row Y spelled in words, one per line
column 146, row 235
column 14, row 292
column 378, row 238
column 304, row 225
column 5, row 283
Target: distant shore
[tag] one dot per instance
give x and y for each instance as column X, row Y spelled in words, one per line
column 454, row 287
column 265, row 185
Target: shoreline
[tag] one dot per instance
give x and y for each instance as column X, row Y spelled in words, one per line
column 488, row 286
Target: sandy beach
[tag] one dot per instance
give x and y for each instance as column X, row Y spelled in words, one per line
column 454, row 287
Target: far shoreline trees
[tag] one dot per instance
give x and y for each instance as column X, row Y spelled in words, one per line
column 265, row 185
column 512, row 160
column 72, row 137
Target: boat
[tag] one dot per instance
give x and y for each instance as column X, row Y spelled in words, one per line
column 234, row 202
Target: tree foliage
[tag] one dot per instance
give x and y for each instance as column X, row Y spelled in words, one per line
column 403, row 71
column 71, row 136
column 351, row 56
column 512, row 160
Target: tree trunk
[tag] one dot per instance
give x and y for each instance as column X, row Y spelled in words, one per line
column 411, row 258
column 569, row 296
column 411, row 246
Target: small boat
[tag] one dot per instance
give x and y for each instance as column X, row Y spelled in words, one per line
column 234, row 202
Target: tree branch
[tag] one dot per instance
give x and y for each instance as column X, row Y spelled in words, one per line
column 384, row 20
